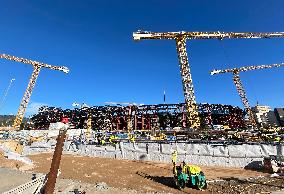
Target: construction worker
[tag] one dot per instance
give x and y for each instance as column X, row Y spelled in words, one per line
column 174, row 161
column 131, row 138
column 185, row 167
column 112, row 139
column 174, row 157
column 100, row 139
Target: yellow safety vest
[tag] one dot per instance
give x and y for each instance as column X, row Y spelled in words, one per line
column 174, row 157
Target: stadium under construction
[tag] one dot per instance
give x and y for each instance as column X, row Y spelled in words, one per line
column 140, row 117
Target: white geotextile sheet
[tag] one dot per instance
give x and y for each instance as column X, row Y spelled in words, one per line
column 50, row 133
column 252, row 151
column 154, row 147
column 15, row 156
column 267, row 150
column 220, row 151
column 236, row 151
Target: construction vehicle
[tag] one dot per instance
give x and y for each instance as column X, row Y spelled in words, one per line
column 180, row 39
column 240, row 88
column 188, row 175
column 273, row 164
column 32, row 139
column 26, row 98
column 271, row 137
column 159, row 137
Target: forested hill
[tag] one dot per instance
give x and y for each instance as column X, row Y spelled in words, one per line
column 7, row 120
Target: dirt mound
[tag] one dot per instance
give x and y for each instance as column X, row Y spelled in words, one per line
column 6, row 163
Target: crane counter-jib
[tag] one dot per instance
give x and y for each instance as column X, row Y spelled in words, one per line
column 247, row 68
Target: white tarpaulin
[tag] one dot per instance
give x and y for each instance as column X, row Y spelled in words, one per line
column 236, row 151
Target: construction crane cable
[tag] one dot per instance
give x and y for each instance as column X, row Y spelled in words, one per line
column 6, row 93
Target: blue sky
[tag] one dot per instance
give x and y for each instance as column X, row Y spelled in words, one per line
column 94, row 39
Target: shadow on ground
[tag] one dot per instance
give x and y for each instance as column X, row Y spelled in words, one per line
column 255, row 166
column 167, row 181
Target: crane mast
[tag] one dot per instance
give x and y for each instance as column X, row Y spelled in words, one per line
column 188, row 89
column 241, row 91
column 180, row 38
column 239, row 85
column 26, row 98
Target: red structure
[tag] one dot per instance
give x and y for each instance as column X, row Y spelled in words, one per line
column 145, row 117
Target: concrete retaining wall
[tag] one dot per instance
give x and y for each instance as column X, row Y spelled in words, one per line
column 245, row 155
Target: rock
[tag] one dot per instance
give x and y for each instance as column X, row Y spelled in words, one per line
column 101, row 186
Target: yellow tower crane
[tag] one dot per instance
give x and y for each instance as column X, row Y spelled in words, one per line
column 180, row 38
column 239, row 85
column 26, row 98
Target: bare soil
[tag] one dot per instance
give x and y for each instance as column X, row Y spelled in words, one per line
column 146, row 176
column 143, row 176
column 6, row 163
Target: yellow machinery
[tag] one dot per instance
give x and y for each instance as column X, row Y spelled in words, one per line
column 35, row 139
column 180, row 39
column 239, row 85
column 89, row 127
column 131, row 137
column 26, row 98
column 113, row 139
column 188, row 175
column 159, row 137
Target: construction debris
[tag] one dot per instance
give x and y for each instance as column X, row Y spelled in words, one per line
column 10, row 154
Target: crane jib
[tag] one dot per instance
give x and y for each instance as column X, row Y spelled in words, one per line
column 204, row 35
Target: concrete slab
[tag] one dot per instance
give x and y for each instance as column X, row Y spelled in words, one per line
column 12, row 178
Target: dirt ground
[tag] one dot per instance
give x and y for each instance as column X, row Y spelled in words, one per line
column 145, row 176
column 4, row 162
